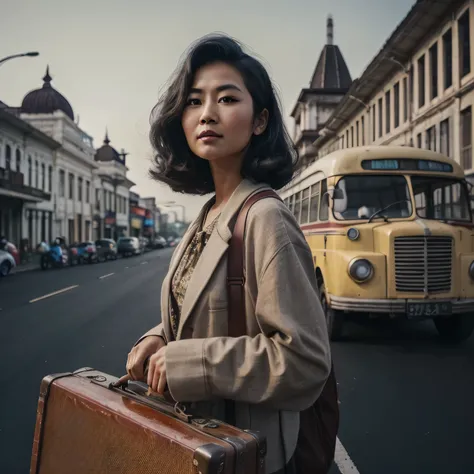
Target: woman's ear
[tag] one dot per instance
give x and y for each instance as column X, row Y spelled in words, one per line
column 261, row 122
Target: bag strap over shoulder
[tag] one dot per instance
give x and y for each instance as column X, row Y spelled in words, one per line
column 235, row 266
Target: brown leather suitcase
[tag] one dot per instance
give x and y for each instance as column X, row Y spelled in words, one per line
column 85, row 425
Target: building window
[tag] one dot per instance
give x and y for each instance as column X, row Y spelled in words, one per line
column 362, row 126
column 71, row 186
column 342, row 141
column 464, row 45
column 79, row 189
column 30, row 172
column 347, row 138
column 8, row 157
column 434, row 71
column 62, row 183
column 396, row 105
column 466, row 138
column 88, row 192
column 405, row 99
column 43, row 176
column 352, row 136
column 357, row 133
column 448, row 58
column 97, row 199
column 444, row 137
column 421, row 81
column 380, row 117
column 18, row 161
column 431, row 138
column 50, row 178
column 387, row 112
column 297, row 208
column 373, row 123
column 36, row 174
column 419, row 140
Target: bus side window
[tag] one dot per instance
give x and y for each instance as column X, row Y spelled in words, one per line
column 324, row 209
column 314, row 203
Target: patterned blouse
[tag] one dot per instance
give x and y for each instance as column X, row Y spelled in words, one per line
column 183, row 273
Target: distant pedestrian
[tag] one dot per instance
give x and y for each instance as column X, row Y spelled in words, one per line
column 218, row 129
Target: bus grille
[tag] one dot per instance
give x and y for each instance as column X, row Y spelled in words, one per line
column 423, row 264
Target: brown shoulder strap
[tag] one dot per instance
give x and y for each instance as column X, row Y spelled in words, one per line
column 235, row 267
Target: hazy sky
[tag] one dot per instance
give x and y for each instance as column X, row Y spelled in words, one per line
column 110, row 58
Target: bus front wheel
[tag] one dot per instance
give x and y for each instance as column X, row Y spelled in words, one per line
column 457, row 328
column 334, row 317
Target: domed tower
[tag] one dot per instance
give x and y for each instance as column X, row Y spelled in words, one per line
column 46, row 100
column 329, row 83
column 108, row 153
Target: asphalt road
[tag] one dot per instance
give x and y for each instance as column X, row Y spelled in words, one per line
column 405, row 398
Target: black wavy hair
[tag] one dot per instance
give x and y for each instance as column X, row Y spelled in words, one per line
column 271, row 157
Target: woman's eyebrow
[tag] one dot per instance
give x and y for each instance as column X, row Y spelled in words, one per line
column 223, row 87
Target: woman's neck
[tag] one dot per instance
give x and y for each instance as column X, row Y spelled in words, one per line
column 226, row 179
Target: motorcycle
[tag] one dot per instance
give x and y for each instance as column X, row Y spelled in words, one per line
column 55, row 256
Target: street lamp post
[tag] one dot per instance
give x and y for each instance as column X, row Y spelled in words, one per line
column 21, row 55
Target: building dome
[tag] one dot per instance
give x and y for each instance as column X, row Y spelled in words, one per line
column 46, row 100
column 108, row 153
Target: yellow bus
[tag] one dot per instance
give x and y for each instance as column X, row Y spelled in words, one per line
column 391, row 233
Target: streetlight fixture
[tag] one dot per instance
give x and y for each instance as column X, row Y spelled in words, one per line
column 30, row 54
column 175, row 204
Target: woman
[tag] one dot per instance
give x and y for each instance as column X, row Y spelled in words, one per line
column 219, row 129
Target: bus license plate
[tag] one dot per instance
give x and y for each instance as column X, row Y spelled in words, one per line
column 428, row 310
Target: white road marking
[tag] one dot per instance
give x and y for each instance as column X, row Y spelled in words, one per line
column 54, row 293
column 343, row 460
column 106, row 276
column 144, row 263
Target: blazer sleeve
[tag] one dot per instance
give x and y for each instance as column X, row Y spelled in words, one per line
column 156, row 331
column 285, row 366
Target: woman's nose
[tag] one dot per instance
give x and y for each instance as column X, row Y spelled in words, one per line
column 209, row 115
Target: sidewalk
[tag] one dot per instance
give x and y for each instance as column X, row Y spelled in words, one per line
column 34, row 264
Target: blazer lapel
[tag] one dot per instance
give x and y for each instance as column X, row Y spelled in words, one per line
column 214, row 250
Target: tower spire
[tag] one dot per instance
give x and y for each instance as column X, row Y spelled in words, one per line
column 330, row 30
column 106, row 139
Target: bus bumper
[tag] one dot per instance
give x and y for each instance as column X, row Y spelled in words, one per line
column 434, row 307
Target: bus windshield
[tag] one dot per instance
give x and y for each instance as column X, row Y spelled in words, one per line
column 367, row 194
column 441, row 198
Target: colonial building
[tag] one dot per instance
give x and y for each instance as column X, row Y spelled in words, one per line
column 417, row 91
column 329, row 83
column 27, row 157
column 74, row 166
column 112, row 188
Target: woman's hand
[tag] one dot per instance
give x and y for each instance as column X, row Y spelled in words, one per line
column 138, row 356
column 156, row 379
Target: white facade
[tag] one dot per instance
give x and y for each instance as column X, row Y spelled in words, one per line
column 422, row 98
column 73, row 175
column 27, row 159
column 112, row 194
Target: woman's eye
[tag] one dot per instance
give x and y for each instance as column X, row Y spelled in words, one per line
column 227, row 100
column 192, row 102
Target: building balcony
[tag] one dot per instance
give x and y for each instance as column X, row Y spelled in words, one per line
column 12, row 184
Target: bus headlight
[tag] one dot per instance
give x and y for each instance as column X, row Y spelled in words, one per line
column 353, row 234
column 471, row 270
column 361, row 270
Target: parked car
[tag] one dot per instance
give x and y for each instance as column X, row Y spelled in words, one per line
column 106, row 249
column 7, row 263
column 87, row 252
column 127, row 246
column 158, row 242
column 144, row 243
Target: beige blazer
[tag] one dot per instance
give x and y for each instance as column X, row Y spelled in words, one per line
column 279, row 368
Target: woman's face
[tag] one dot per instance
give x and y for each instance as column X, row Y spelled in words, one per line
column 218, row 120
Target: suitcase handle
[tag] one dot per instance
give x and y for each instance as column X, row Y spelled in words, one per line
column 163, row 403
